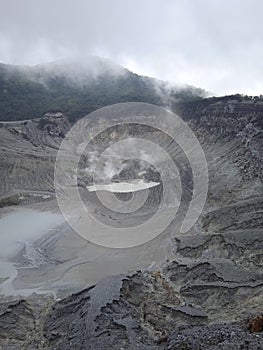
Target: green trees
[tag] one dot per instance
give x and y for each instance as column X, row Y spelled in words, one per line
column 27, row 93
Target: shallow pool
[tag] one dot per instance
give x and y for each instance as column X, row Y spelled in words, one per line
column 22, row 226
column 123, row 187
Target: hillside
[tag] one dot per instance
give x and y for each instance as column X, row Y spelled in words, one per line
column 198, row 290
column 78, row 88
column 200, row 298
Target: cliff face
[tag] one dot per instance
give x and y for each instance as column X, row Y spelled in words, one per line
column 28, row 153
column 203, row 296
column 230, row 120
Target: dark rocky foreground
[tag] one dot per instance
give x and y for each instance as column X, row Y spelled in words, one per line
column 190, row 303
column 209, row 295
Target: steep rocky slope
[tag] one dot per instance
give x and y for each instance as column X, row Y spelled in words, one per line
column 209, row 295
column 28, row 152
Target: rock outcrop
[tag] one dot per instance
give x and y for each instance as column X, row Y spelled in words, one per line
column 207, row 296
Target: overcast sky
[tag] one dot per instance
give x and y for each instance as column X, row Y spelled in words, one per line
column 213, row 44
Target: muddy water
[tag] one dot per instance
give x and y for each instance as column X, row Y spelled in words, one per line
column 81, row 263
column 16, row 230
column 22, row 226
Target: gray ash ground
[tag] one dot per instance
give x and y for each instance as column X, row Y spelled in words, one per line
column 207, row 295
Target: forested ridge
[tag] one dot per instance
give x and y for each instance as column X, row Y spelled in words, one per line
column 27, row 92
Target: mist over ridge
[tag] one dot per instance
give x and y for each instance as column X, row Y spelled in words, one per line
column 77, row 87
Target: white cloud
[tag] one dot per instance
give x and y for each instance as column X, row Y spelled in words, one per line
column 212, row 44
